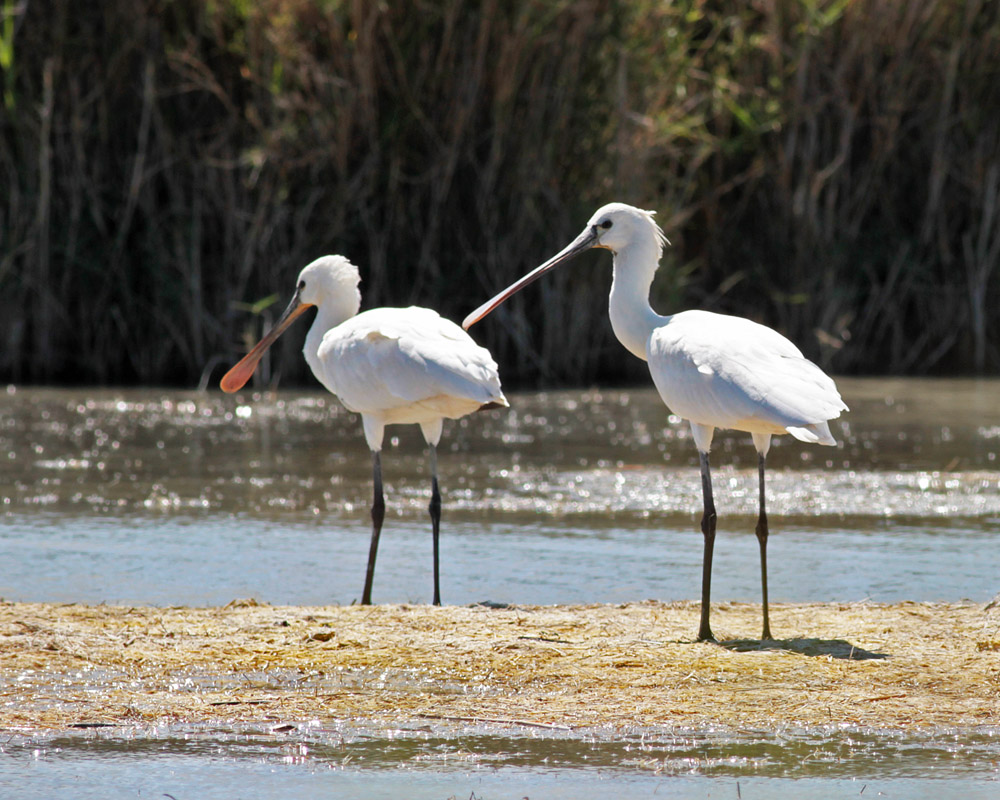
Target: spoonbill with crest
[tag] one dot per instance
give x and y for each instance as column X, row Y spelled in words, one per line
column 714, row 370
column 390, row 365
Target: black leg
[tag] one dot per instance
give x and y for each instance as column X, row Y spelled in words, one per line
column 435, row 509
column 708, row 529
column 762, row 540
column 378, row 515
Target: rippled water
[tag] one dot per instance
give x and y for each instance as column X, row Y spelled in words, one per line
column 434, row 762
column 171, row 498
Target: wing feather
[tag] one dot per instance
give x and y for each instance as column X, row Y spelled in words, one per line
column 389, row 359
column 730, row 372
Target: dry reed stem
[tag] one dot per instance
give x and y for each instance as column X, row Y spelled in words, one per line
column 903, row 666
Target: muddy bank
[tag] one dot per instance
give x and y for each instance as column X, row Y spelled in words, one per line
column 903, row 666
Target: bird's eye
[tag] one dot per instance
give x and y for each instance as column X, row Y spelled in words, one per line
column 606, row 224
column 302, row 285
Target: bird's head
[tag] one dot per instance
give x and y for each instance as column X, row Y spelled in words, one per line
column 613, row 227
column 329, row 279
column 617, row 226
column 330, row 282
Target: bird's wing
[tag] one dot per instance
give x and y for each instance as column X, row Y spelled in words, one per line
column 730, row 372
column 388, row 358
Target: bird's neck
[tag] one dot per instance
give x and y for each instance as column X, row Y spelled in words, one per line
column 328, row 316
column 632, row 318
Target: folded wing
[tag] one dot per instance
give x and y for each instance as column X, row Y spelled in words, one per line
column 408, row 365
column 730, row 372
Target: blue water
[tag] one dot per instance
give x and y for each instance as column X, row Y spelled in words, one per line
column 184, row 560
column 205, row 779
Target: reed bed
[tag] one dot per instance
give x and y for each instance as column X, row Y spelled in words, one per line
column 907, row 666
column 831, row 168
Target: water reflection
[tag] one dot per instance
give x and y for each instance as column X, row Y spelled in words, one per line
column 826, row 753
column 921, row 447
column 174, row 497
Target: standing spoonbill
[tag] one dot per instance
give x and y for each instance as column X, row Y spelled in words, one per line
column 714, row 370
column 390, row 365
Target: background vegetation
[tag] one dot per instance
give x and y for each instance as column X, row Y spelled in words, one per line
column 830, row 168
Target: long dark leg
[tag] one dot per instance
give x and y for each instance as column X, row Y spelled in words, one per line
column 435, row 509
column 762, row 540
column 708, row 529
column 378, row 515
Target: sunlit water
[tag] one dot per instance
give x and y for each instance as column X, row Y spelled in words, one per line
column 171, row 498
column 165, row 498
column 344, row 760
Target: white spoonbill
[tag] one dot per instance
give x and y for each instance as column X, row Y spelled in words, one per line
column 714, row 370
column 390, row 365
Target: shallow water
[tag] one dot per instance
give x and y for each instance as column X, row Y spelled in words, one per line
column 183, row 498
column 171, row 498
column 425, row 761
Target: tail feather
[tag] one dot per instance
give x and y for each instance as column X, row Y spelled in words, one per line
column 816, row 433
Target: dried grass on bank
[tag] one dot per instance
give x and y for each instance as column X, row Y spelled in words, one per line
column 903, row 666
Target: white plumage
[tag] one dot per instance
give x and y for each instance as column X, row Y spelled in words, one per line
column 730, row 372
column 714, row 370
column 406, row 365
column 390, row 365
